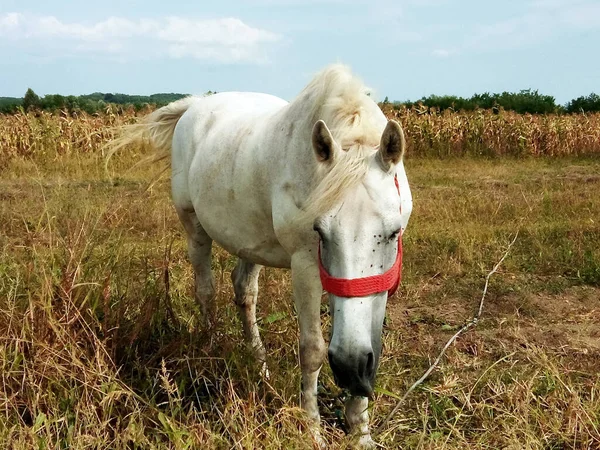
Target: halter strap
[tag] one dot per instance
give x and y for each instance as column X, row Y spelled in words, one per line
column 361, row 287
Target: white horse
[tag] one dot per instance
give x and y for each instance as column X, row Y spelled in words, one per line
column 307, row 185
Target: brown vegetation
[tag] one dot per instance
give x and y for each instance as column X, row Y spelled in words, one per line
column 434, row 133
column 483, row 132
column 100, row 345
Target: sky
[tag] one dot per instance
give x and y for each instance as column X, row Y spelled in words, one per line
column 402, row 49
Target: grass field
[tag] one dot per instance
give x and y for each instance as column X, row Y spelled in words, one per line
column 100, row 345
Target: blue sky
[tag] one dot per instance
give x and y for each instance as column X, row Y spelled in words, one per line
column 403, row 49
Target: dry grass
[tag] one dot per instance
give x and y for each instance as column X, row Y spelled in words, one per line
column 485, row 133
column 99, row 343
column 447, row 133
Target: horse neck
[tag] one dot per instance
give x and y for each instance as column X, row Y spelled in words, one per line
column 295, row 129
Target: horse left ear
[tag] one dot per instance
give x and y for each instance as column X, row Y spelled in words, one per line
column 392, row 145
column 323, row 143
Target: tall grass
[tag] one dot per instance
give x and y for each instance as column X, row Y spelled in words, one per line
column 483, row 132
column 100, row 345
column 431, row 133
column 44, row 133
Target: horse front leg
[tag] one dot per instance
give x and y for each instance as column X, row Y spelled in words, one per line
column 307, row 291
column 357, row 418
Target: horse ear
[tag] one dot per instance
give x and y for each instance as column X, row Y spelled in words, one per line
column 392, row 145
column 323, row 142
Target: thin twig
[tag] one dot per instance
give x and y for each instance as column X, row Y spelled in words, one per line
column 465, row 327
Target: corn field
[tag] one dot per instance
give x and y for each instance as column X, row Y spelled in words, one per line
column 486, row 133
column 430, row 133
column 46, row 134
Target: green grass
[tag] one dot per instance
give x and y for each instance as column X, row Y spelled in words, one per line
column 100, row 345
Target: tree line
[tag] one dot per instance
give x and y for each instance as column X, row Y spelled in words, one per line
column 525, row 101
column 90, row 103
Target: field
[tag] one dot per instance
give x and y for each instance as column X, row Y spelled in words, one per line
column 100, row 345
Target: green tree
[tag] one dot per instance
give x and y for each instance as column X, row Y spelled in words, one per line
column 590, row 103
column 31, row 100
column 53, row 102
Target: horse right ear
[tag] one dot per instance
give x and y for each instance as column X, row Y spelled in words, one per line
column 323, row 143
column 392, row 145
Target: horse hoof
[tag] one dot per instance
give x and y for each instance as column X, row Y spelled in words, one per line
column 264, row 372
column 319, row 442
column 366, row 442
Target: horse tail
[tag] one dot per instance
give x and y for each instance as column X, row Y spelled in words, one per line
column 155, row 130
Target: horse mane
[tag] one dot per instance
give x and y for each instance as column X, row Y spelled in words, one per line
column 340, row 99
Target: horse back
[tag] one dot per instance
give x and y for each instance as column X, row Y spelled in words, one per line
column 222, row 163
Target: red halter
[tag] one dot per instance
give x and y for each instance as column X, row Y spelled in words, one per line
column 361, row 287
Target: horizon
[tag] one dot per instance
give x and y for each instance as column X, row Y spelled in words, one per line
column 390, row 101
column 403, row 50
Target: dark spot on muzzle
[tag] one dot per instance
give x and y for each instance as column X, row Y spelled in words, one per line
column 354, row 372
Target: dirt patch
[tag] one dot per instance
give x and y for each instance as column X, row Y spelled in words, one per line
column 565, row 324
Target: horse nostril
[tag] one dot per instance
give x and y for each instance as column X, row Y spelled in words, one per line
column 354, row 372
column 370, row 365
column 366, row 366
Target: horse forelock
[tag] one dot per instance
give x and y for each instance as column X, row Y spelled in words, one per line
column 340, row 99
column 332, row 183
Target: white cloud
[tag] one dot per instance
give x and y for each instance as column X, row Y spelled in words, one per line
column 549, row 17
column 584, row 16
column 444, row 52
column 539, row 21
column 226, row 40
column 283, row 3
column 9, row 22
column 228, row 32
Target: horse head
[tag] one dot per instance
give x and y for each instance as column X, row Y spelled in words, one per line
column 360, row 255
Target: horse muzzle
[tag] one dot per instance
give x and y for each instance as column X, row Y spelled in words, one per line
column 355, row 372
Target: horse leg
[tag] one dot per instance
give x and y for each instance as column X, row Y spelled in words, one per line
column 357, row 418
column 307, row 298
column 245, row 285
column 200, row 252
